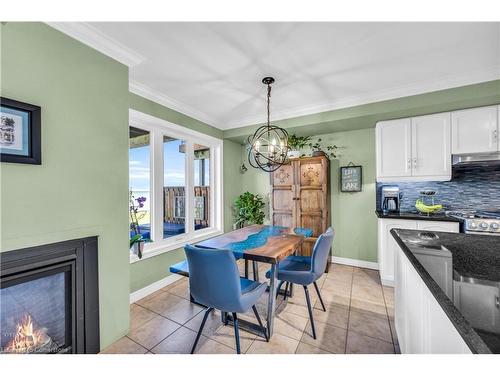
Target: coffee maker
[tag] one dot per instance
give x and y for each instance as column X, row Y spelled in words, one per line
column 391, row 198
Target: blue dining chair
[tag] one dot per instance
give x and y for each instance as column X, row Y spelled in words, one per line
column 215, row 282
column 304, row 270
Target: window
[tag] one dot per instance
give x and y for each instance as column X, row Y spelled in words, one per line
column 175, row 184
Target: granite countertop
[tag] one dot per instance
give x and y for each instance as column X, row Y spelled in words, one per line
column 475, row 263
column 414, row 215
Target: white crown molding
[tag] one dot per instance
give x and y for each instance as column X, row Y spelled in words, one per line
column 393, row 93
column 160, row 98
column 91, row 36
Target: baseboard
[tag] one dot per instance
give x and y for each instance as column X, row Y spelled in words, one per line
column 387, row 282
column 355, row 262
column 151, row 288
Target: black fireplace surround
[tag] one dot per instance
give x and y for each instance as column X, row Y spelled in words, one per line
column 49, row 298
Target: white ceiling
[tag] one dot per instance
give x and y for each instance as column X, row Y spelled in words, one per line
column 213, row 71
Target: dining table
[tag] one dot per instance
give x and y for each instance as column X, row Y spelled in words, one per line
column 260, row 243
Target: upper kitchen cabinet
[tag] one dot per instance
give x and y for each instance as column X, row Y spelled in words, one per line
column 431, row 147
column 475, row 130
column 414, row 149
column 393, row 149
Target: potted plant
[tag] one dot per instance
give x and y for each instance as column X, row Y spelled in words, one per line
column 136, row 239
column 319, row 150
column 248, row 209
column 296, row 144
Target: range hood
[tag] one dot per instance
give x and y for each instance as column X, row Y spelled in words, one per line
column 485, row 159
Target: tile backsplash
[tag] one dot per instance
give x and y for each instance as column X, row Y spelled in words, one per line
column 470, row 189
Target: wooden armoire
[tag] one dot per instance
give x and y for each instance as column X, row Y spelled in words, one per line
column 300, row 196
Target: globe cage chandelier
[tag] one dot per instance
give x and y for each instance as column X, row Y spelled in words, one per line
column 268, row 146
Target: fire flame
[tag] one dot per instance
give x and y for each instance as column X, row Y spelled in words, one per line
column 27, row 339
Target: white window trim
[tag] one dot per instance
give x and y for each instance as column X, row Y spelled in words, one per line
column 158, row 126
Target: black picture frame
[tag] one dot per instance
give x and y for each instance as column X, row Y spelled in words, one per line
column 33, row 112
column 351, row 182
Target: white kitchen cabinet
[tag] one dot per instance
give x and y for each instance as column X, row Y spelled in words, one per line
column 475, row 130
column 421, row 324
column 431, row 146
column 387, row 245
column 393, row 148
column 414, row 149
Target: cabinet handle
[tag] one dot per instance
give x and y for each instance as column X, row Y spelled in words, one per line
column 495, row 135
column 408, row 163
column 415, row 163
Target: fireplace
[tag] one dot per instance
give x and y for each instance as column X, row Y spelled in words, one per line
column 49, row 299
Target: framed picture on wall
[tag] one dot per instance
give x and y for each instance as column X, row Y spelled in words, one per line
column 351, row 178
column 20, row 133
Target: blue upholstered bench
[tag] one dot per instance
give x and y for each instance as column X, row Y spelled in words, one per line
column 180, row 268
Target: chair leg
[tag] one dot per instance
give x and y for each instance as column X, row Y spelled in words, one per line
column 255, row 267
column 280, row 284
column 286, row 291
column 236, row 333
column 260, row 322
column 319, row 296
column 246, row 268
column 201, row 329
column 310, row 311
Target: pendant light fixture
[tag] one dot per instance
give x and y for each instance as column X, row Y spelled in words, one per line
column 268, row 146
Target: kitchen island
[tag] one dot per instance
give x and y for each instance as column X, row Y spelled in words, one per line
column 447, row 290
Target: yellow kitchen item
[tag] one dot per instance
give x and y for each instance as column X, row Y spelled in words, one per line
column 423, row 208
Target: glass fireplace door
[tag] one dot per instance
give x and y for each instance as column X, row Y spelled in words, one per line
column 36, row 310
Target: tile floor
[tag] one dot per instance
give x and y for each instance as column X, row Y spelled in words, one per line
column 359, row 319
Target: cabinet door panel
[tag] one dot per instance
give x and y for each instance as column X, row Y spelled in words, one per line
column 393, row 148
column 431, row 145
column 283, row 176
column 310, row 200
column 473, row 130
column 282, row 200
column 312, row 221
column 388, row 246
column 312, row 174
column 283, row 219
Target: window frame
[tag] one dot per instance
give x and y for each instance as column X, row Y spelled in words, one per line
column 158, row 128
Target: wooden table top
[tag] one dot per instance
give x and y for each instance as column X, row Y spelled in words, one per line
column 262, row 243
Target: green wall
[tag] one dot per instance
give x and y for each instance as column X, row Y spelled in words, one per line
column 81, row 188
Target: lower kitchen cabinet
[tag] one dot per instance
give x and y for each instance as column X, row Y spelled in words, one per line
column 422, row 327
column 387, row 246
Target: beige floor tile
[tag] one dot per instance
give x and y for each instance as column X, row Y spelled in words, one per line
column 366, row 306
column 336, row 315
column 159, row 302
column 299, row 296
column 291, row 325
column 368, row 293
column 363, row 280
column 139, row 315
column 225, row 335
column 181, row 281
column 182, row 311
column 211, row 325
column 304, row 348
column 336, row 287
column 181, row 290
column 300, row 310
column 180, row 342
column 328, row 337
column 213, row 347
column 370, row 325
column 152, row 332
column 359, row 344
column 279, row 344
column 344, row 277
column 124, row 346
column 390, row 311
column 332, row 297
column 366, row 272
column 341, row 267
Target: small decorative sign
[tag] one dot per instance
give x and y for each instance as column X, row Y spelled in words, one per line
column 351, row 178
